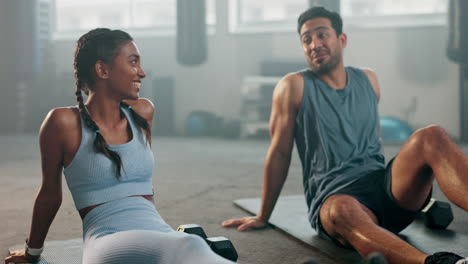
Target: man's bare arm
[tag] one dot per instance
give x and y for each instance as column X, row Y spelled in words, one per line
column 286, row 101
column 375, row 85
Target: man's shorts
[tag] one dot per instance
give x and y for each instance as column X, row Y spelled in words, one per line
column 374, row 192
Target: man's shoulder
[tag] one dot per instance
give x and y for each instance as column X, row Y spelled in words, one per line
column 290, row 87
column 368, row 72
column 293, row 79
column 372, row 76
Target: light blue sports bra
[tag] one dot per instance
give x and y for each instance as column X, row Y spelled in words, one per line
column 92, row 177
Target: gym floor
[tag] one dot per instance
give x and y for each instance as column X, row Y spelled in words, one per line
column 195, row 181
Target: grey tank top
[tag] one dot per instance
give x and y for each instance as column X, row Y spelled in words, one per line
column 337, row 135
column 92, row 177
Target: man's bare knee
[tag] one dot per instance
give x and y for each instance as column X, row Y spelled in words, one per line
column 330, row 218
column 340, row 214
column 429, row 138
column 344, row 210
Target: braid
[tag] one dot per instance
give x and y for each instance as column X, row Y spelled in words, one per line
column 100, row 145
column 98, row 44
column 141, row 122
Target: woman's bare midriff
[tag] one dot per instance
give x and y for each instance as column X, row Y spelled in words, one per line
column 84, row 211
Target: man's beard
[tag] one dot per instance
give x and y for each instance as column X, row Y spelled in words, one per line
column 326, row 68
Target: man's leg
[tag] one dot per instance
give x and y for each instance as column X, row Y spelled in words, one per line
column 351, row 223
column 429, row 150
column 427, row 154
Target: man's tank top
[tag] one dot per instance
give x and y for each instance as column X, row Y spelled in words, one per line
column 337, row 135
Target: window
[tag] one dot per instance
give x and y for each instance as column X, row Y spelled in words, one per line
column 79, row 16
column 384, row 13
column 261, row 15
column 353, row 8
column 270, row 11
column 281, row 15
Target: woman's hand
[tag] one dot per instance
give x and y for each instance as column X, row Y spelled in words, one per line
column 19, row 256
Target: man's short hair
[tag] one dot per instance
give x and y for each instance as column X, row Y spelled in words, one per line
column 319, row 11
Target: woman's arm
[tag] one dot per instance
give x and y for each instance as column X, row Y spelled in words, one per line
column 49, row 197
column 144, row 108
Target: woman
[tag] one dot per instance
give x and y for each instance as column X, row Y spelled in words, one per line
column 103, row 147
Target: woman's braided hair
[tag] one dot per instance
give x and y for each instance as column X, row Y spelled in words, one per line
column 100, row 44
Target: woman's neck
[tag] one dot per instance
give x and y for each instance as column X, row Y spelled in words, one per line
column 104, row 110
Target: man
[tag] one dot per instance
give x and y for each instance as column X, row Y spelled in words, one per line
column 353, row 199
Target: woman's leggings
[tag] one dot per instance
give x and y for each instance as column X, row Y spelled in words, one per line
column 130, row 230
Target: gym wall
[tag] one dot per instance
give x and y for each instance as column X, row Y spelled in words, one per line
column 215, row 85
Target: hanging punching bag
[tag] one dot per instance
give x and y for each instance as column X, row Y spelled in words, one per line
column 191, row 32
column 457, row 48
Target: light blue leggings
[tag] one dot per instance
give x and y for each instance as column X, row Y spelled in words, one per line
column 130, row 230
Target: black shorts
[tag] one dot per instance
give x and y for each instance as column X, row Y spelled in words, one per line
column 375, row 192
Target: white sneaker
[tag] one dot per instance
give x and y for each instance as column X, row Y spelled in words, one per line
column 462, row 261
